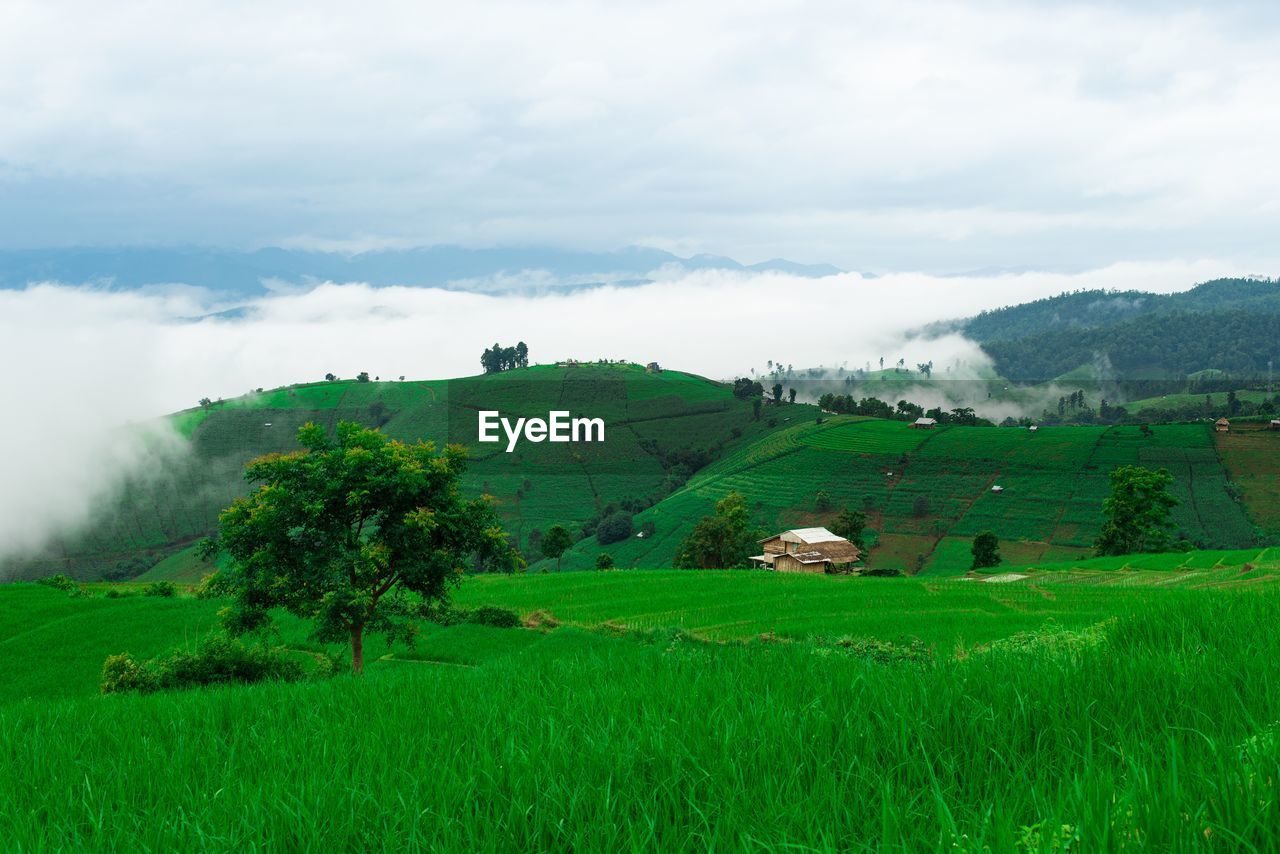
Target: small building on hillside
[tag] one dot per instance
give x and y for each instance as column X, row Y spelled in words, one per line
column 807, row 550
column 924, row 423
column 997, row 489
column 1222, row 425
column 1034, row 428
column 1275, row 424
column 653, row 368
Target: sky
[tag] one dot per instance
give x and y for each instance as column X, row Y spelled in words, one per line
column 882, row 136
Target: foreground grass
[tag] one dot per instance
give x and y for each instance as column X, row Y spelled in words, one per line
column 1157, row 731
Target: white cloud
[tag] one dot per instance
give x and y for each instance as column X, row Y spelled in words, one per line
column 876, row 135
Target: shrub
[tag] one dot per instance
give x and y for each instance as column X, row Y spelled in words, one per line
column 160, row 588
column 499, row 618
column 614, row 528
column 121, row 673
column 118, row 593
column 218, row 660
column 604, row 561
column 447, row 615
column 213, row 586
column 60, row 582
column 906, row 651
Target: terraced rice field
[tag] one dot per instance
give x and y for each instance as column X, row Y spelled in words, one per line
column 929, row 492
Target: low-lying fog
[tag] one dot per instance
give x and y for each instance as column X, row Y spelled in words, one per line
column 80, row 362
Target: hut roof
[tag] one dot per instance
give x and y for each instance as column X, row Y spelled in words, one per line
column 926, row 422
column 1221, row 421
column 838, row 551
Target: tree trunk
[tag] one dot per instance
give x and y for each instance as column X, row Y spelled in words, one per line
column 357, row 649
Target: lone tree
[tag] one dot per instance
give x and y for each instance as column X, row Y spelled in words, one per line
column 721, row 541
column 555, row 542
column 850, row 524
column 777, row 392
column 986, row 551
column 340, row 532
column 1137, row 512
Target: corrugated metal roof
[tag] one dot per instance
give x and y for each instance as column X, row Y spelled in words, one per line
column 812, row 535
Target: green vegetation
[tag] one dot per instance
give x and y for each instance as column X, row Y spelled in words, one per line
column 986, row 551
column 875, row 714
column 342, row 532
column 662, row 427
column 1136, row 511
column 927, row 493
column 1228, row 325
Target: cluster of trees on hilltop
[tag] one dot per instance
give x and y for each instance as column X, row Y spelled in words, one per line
column 874, row 407
column 498, row 358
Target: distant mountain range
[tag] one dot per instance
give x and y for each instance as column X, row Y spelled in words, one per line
column 1230, row 325
column 249, row 273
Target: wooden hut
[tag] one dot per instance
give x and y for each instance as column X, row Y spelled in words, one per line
column 1222, row 425
column 1274, row 425
column 924, row 423
column 807, row 550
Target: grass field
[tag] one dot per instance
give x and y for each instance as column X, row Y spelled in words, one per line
column 1106, row 718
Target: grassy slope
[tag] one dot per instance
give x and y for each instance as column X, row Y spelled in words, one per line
column 1055, row 481
column 1154, row 732
column 648, row 417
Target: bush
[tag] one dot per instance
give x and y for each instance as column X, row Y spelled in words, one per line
column 499, row 618
column 118, row 593
column 121, row 673
column 219, row 660
column 614, row 528
column 604, row 561
column 447, row 615
column 213, row 586
column 60, row 582
column 160, row 588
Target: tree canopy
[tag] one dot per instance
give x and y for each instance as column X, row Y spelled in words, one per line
column 722, row 541
column 986, row 551
column 555, row 542
column 1136, row 511
column 339, row 533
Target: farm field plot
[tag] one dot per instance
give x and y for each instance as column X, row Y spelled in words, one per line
column 1252, row 456
column 483, row 738
column 925, row 490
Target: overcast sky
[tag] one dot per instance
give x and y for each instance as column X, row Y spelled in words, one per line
column 876, row 136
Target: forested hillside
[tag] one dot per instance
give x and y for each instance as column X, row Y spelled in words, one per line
column 1230, row 325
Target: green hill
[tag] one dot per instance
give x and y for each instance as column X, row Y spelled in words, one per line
column 928, row 493
column 660, row 428
column 1229, row 325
